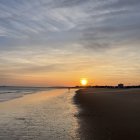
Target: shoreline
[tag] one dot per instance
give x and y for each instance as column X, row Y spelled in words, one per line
column 107, row 114
column 39, row 117
column 19, row 93
column 35, row 97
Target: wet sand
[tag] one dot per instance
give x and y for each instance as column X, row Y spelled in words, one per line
column 108, row 114
column 47, row 115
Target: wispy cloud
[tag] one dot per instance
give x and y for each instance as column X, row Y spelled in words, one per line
column 63, row 31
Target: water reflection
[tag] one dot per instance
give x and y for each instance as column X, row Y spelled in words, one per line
column 39, row 116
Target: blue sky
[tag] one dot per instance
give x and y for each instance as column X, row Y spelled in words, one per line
column 44, row 41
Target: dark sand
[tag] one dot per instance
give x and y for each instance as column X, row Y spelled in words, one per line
column 109, row 114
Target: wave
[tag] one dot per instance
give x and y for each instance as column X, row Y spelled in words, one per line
column 8, row 93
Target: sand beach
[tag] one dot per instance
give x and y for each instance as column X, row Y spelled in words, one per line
column 60, row 114
column 108, row 114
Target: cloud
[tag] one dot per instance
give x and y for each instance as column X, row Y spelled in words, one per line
column 67, row 3
column 49, row 32
column 122, row 4
column 39, row 22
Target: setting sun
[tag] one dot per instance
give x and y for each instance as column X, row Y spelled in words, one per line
column 83, row 82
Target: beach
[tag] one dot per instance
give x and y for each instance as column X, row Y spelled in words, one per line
column 44, row 115
column 108, row 114
column 60, row 114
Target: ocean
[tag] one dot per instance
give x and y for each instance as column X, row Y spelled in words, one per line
column 49, row 114
column 11, row 92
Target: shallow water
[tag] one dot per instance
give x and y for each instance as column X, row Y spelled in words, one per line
column 11, row 92
column 39, row 116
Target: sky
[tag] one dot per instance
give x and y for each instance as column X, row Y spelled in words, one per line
column 58, row 42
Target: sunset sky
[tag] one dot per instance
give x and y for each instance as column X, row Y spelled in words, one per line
column 58, row 42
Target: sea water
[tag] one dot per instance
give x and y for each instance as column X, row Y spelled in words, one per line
column 45, row 115
column 11, row 92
